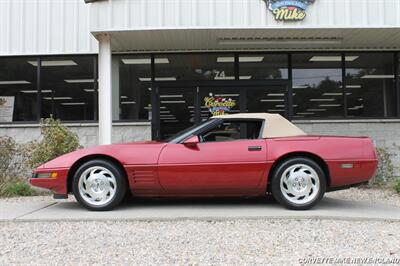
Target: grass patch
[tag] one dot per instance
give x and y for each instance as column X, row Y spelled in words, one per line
column 16, row 189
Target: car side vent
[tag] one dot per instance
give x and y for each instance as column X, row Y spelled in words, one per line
column 144, row 177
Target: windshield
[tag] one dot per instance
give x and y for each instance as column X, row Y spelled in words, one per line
column 178, row 137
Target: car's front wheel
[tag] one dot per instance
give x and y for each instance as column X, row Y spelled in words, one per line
column 298, row 183
column 99, row 185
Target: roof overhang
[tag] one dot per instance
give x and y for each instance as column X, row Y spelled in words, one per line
column 171, row 40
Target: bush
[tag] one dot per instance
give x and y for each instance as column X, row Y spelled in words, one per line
column 56, row 140
column 13, row 168
column 385, row 173
column 397, row 186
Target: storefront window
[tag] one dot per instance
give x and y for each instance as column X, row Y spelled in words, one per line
column 18, row 90
column 317, row 85
column 218, row 99
column 67, row 85
column 134, row 87
column 370, row 85
column 267, row 99
column 194, row 67
column 263, row 66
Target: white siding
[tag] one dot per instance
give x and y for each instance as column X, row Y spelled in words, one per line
column 31, row 27
column 115, row 15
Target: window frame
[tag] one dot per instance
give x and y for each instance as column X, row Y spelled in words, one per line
column 240, row 120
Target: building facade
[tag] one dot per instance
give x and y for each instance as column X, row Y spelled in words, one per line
column 124, row 70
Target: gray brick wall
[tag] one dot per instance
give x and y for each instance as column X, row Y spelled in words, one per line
column 87, row 133
column 385, row 133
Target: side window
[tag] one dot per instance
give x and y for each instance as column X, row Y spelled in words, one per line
column 230, row 130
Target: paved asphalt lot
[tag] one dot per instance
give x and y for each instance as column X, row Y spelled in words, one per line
column 163, row 209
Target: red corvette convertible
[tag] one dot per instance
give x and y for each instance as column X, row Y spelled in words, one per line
column 231, row 155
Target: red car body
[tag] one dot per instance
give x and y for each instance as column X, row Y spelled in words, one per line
column 158, row 169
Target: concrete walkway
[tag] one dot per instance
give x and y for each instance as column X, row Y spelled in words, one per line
column 140, row 209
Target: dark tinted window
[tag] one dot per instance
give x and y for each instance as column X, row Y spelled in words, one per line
column 263, row 66
column 317, row 85
column 18, row 89
column 233, row 130
column 370, row 89
column 134, row 87
column 68, row 89
column 194, row 67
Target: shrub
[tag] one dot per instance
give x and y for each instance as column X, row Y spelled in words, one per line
column 56, row 140
column 397, row 186
column 385, row 172
column 13, row 167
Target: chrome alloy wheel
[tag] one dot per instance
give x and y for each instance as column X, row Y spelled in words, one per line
column 300, row 184
column 97, row 185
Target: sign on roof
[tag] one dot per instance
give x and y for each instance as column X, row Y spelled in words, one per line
column 289, row 10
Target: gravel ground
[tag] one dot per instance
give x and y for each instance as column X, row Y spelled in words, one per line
column 239, row 242
column 188, row 242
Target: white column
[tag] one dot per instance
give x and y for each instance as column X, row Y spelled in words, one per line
column 105, row 89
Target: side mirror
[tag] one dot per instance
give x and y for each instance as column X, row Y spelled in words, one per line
column 192, row 141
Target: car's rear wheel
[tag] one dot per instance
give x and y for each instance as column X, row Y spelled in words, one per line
column 298, row 183
column 99, row 185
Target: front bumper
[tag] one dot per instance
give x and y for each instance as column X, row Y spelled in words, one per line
column 58, row 185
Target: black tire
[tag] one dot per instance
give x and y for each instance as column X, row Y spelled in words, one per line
column 276, row 183
column 121, row 185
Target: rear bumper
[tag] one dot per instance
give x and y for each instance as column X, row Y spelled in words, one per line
column 57, row 185
column 342, row 174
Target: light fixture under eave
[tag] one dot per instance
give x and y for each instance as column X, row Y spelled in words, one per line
column 80, row 103
column 57, row 98
column 271, row 100
column 173, row 102
column 330, row 105
column 226, row 95
column 89, row 90
column 322, row 100
column 266, row 41
column 35, row 91
column 51, row 63
column 377, row 77
column 242, row 59
column 14, row 82
column 171, row 96
column 144, row 61
column 79, row 80
column 275, row 94
column 335, row 94
column 130, row 102
column 317, row 110
column 159, row 79
column 332, row 58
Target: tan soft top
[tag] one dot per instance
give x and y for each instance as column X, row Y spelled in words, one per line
column 275, row 125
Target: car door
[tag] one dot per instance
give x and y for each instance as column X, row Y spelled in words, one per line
column 227, row 160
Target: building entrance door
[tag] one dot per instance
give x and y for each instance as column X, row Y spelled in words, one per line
column 179, row 107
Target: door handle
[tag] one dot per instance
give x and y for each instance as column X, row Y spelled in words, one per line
column 254, row 148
